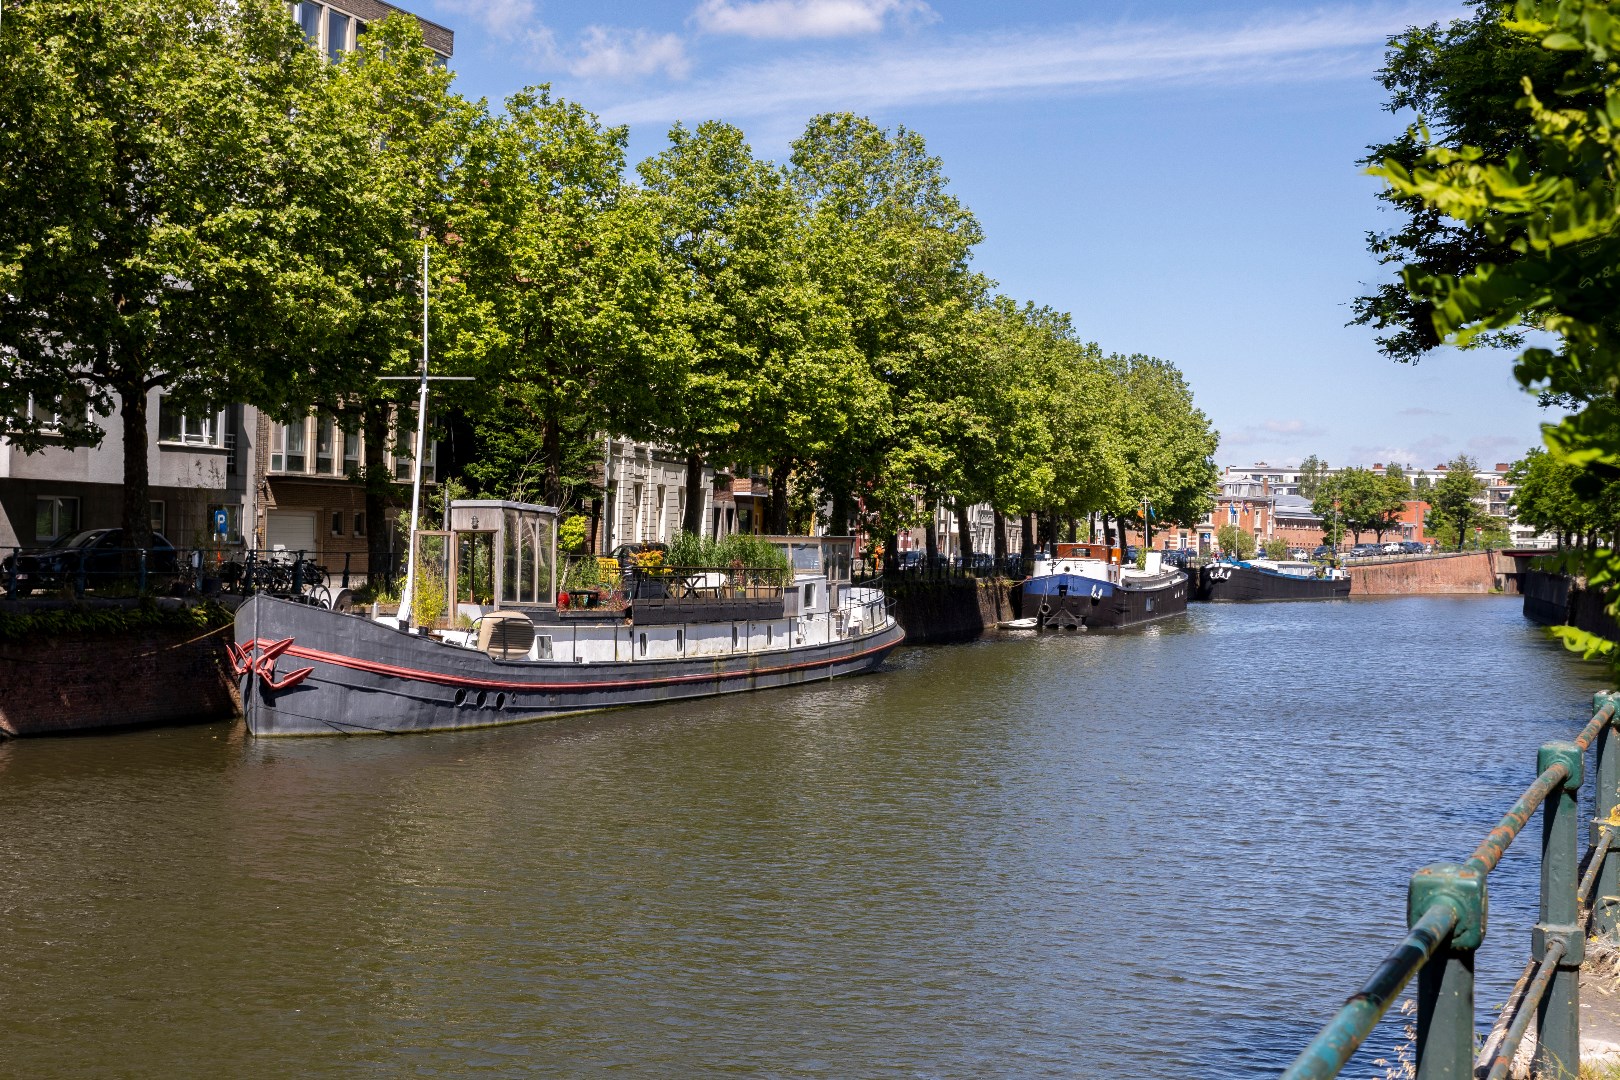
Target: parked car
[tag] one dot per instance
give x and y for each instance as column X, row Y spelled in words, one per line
column 1322, row 551
column 1366, row 551
column 99, row 553
column 1299, row 554
column 1175, row 557
column 1392, row 548
column 1413, row 547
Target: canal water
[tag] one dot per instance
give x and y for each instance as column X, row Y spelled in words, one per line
column 1163, row 853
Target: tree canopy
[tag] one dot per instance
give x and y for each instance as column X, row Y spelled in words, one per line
column 201, row 205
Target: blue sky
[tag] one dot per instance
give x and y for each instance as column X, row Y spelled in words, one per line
column 1179, row 175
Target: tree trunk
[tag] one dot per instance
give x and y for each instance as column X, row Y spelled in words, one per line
column 1073, row 528
column 998, row 522
column 377, row 484
column 592, row 524
column 551, row 447
column 693, row 522
column 779, row 496
column 1026, row 529
column 964, row 534
column 931, row 539
column 891, row 553
column 137, row 476
column 839, row 525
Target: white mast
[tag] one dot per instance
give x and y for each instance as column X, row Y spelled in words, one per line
column 421, row 447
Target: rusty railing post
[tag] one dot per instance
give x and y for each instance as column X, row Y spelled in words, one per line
column 1605, row 906
column 1445, row 995
column 1559, row 932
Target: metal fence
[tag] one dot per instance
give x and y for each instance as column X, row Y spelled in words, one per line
column 126, row 571
column 1445, row 911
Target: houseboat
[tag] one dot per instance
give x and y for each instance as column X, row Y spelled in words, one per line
column 1088, row 587
column 531, row 650
column 1267, row 579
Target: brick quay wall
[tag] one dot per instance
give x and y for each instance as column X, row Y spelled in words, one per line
column 1470, row 572
column 90, row 682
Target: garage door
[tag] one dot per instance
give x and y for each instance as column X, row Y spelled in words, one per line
column 291, row 529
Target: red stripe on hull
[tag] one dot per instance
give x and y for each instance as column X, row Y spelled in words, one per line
column 418, row 675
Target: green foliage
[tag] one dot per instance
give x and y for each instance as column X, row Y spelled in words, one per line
column 571, row 534
column 196, row 202
column 111, row 621
column 1454, row 510
column 1277, row 549
column 178, row 178
column 1463, row 81
column 1235, row 541
column 1361, row 500
column 1312, row 471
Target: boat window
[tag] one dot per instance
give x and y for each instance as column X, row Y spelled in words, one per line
column 643, row 644
column 680, row 640
column 810, row 596
column 733, row 637
column 767, row 635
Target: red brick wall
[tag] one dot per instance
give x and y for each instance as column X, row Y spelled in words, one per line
column 87, row 682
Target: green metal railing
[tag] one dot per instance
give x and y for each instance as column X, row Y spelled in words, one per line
column 1446, row 905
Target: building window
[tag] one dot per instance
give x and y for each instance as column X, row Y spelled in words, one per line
column 158, row 516
column 359, row 523
column 337, row 34
column 351, row 453
column 337, row 523
column 278, row 447
column 55, row 516
column 325, row 433
column 297, row 447
column 308, row 17
column 175, row 426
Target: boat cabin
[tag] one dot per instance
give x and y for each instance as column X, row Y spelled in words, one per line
column 501, row 554
column 1099, row 552
column 832, row 557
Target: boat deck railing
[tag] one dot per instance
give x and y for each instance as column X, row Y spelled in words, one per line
column 1445, row 914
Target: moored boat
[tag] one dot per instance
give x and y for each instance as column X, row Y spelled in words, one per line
column 1086, row 586
column 1266, row 579
column 662, row 634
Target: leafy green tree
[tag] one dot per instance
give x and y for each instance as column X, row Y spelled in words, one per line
column 1312, row 471
column 1169, row 445
column 1357, row 497
column 564, row 258
column 174, row 216
column 1546, row 498
column 1235, row 541
column 1454, row 502
column 1277, row 550
column 420, row 136
column 771, row 377
column 1463, row 81
column 892, row 245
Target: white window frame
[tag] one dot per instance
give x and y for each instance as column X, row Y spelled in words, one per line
column 193, row 430
column 59, row 528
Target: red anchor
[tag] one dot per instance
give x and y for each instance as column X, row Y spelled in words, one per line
column 244, row 662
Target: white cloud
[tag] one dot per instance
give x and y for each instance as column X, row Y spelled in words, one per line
column 610, row 53
column 1290, row 427
column 503, row 18
column 1065, row 59
column 806, row 18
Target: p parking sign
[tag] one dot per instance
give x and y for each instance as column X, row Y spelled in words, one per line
column 222, row 522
